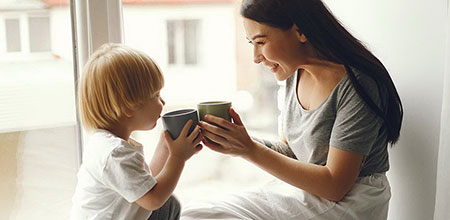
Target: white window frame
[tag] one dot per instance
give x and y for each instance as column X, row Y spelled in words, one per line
column 94, row 22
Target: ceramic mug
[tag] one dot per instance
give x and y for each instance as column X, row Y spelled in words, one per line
column 216, row 108
column 175, row 121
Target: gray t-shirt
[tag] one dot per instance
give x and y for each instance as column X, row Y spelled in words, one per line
column 343, row 121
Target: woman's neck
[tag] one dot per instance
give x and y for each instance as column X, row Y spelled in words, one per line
column 321, row 70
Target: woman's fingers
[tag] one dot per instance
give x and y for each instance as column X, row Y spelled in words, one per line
column 214, row 146
column 214, row 137
column 219, row 121
column 216, row 129
column 235, row 116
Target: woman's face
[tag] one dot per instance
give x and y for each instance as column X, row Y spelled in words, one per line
column 281, row 51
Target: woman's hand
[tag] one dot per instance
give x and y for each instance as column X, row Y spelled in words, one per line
column 227, row 137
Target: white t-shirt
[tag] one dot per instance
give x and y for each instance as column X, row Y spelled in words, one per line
column 112, row 177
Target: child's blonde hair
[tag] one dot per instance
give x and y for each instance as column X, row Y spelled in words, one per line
column 116, row 81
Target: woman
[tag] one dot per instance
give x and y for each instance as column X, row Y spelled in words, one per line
column 341, row 112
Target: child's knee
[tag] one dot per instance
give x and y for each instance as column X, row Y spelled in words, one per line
column 171, row 209
column 174, row 204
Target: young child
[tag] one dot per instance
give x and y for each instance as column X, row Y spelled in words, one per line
column 118, row 94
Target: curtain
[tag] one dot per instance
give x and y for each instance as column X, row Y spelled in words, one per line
column 442, row 208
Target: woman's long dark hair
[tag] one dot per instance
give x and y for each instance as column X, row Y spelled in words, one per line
column 336, row 44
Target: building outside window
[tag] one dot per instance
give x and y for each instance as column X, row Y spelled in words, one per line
column 25, row 32
column 38, row 141
column 12, row 32
column 201, row 50
column 39, row 30
column 182, row 42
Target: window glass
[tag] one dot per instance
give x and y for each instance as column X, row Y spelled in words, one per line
column 12, row 30
column 190, row 41
column 171, row 41
column 182, row 42
column 39, row 29
column 38, row 150
column 202, row 51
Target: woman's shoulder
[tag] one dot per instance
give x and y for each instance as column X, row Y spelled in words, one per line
column 376, row 91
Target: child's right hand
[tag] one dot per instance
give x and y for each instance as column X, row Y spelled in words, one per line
column 185, row 146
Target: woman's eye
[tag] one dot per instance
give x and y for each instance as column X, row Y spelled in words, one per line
column 253, row 43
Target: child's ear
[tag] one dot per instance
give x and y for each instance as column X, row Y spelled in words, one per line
column 300, row 36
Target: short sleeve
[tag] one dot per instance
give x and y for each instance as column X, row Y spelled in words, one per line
column 356, row 127
column 127, row 173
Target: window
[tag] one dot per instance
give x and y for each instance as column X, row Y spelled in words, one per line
column 38, row 133
column 38, row 137
column 182, row 42
column 201, row 49
column 12, row 30
column 27, row 32
column 39, row 29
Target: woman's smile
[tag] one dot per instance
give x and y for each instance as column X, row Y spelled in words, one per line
column 274, row 68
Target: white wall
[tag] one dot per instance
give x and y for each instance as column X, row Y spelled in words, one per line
column 409, row 38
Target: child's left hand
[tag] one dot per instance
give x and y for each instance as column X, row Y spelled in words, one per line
column 185, row 145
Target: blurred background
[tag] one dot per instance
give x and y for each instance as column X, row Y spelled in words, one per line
column 201, row 48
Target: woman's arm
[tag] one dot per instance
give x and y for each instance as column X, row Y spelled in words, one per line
column 281, row 146
column 331, row 181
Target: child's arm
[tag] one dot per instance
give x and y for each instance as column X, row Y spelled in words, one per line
column 180, row 150
column 159, row 156
column 166, row 183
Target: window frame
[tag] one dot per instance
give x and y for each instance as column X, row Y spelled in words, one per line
column 94, row 22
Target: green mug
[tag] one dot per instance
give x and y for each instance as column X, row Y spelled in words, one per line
column 216, row 108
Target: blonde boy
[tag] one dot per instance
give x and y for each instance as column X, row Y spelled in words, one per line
column 118, row 94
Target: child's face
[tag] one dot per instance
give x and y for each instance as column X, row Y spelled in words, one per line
column 145, row 118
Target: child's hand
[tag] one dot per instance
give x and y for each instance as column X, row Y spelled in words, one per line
column 185, row 146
